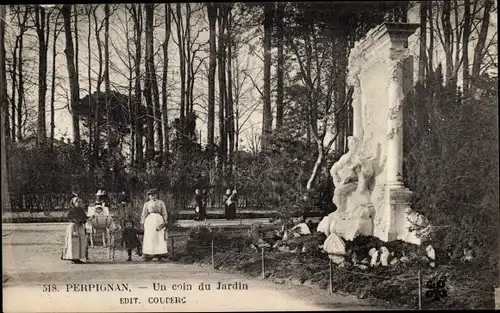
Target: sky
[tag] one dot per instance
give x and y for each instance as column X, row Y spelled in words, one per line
column 251, row 102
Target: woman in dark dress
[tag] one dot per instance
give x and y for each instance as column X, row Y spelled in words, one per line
column 230, row 204
column 75, row 241
column 200, row 212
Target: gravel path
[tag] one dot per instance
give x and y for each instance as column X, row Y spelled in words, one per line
column 31, row 259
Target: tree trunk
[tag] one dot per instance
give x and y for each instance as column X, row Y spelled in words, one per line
column 479, row 49
column 212, row 17
column 53, row 87
column 97, row 113
column 465, row 43
column 106, row 78
column 446, row 22
column 267, row 114
column 110, row 138
column 137, row 16
column 222, row 85
column 280, row 69
column 40, row 22
column 430, row 67
column 158, row 112
column 423, row 42
column 130, row 101
column 20, row 85
column 317, row 165
column 182, row 65
column 77, row 49
column 229, row 102
column 3, row 114
column 188, row 61
column 165, row 77
column 14, row 89
column 19, row 69
column 150, row 144
column 73, row 78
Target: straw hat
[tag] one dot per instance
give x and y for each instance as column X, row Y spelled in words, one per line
column 101, row 192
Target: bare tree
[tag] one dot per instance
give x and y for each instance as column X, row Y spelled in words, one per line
column 97, row 129
column 212, row 18
column 17, row 54
column 168, row 16
column 267, row 114
column 55, row 35
column 322, row 60
column 136, row 12
column 230, row 100
column 479, row 49
column 430, row 50
column 280, row 66
column 42, row 26
column 465, row 42
column 107, row 89
column 423, row 41
column 254, row 140
column 73, row 78
column 157, row 109
column 148, row 84
column 3, row 113
column 182, row 59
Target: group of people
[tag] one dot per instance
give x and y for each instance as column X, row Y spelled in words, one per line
column 201, row 198
column 154, row 219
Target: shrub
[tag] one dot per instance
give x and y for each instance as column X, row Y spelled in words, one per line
column 451, row 164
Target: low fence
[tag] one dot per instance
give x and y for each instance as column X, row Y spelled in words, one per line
column 427, row 286
column 60, row 201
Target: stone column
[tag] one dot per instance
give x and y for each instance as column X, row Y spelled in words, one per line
column 396, row 193
column 395, row 122
column 398, row 34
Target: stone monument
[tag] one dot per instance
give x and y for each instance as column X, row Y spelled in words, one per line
column 370, row 196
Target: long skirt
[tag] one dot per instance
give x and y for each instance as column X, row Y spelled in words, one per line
column 155, row 241
column 75, row 242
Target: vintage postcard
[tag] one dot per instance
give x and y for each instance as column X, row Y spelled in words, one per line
column 276, row 156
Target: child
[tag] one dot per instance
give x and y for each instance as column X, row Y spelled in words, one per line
column 130, row 238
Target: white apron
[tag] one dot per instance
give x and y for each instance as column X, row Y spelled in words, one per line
column 154, row 242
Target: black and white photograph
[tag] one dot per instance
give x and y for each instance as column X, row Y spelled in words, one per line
column 250, row 156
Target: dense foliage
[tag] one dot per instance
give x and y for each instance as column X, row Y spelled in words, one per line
column 452, row 166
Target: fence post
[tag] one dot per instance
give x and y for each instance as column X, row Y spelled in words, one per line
column 330, row 277
column 263, row 264
column 213, row 260
column 419, row 291
column 173, row 249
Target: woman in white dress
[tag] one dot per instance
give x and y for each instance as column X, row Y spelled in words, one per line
column 154, row 219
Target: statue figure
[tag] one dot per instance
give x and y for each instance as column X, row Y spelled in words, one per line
column 352, row 196
column 356, row 217
column 344, row 174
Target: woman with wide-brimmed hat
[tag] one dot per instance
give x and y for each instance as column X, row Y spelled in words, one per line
column 75, row 241
column 154, row 219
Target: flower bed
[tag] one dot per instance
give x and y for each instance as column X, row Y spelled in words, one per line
column 468, row 286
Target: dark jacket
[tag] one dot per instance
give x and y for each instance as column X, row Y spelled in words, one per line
column 77, row 215
column 130, row 237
